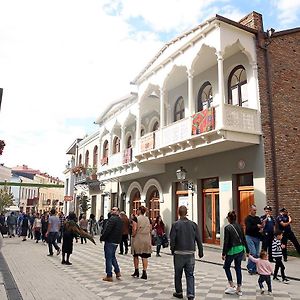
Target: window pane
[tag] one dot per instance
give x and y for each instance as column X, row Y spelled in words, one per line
column 235, row 96
column 244, row 92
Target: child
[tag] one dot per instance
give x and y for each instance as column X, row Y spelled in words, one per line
column 277, row 255
column 264, row 270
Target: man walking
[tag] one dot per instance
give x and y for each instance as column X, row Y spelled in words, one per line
column 253, row 235
column 11, row 222
column 125, row 231
column 284, row 221
column 112, row 235
column 52, row 232
column 184, row 234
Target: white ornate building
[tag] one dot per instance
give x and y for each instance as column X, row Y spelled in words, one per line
column 198, row 108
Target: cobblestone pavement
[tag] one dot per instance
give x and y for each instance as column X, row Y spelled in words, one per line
column 41, row 277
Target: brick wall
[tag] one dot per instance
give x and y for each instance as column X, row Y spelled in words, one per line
column 284, row 52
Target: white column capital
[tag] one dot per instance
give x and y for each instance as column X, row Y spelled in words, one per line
column 220, row 55
column 190, row 73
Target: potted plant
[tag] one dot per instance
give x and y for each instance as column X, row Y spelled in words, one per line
column 92, row 172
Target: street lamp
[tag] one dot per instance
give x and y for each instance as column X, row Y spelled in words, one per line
column 102, row 186
column 181, row 176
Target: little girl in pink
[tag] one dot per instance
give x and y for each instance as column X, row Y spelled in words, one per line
column 264, row 269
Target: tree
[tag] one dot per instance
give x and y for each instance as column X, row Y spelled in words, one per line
column 84, row 203
column 6, row 199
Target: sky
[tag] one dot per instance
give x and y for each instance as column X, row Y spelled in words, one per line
column 63, row 61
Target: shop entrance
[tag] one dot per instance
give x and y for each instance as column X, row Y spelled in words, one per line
column 245, row 196
column 211, row 211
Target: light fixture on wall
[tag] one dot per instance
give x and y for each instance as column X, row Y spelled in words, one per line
column 102, row 186
column 181, row 176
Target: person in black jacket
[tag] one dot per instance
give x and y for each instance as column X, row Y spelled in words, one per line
column 234, row 248
column 254, row 228
column 184, row 233
column 112, row 235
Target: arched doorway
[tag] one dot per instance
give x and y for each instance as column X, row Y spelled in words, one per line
column 135, row 201
column 153, row 204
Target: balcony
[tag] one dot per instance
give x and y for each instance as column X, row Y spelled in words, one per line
column 207, row 130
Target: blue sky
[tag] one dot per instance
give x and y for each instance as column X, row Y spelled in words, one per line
column 63, row 61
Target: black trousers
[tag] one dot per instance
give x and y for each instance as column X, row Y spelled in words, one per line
column 289, row 236
column 267, row 240
column 279, row 265
column 267, row 279
column 123, row 243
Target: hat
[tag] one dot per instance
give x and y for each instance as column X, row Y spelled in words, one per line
column 283, row 209
column 268, row 207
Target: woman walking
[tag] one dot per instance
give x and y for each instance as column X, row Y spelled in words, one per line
column 37, row 228
column 233, row 250
column 24, row 227
column 141, row 241
column 71, row 230
column 83, row 224
column 159, row 228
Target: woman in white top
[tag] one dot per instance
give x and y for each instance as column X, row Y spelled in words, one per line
column 37, row 227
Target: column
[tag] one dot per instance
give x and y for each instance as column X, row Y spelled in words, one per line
column 162, row 114
column 191, row 92
column 221, row 88
column 254, row 86
column 138, row 128
column 122, row 141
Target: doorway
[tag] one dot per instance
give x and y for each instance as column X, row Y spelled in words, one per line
column 245, row 192
column 135, row 202
column 154, row 205
column 211, row 211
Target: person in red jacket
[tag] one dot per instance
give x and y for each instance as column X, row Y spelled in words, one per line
column 159, row 228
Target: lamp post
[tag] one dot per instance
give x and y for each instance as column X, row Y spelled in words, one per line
column 102, row 186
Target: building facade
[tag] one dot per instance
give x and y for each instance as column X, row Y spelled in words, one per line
column 203, row 111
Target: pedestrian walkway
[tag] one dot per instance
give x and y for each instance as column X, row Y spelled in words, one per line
column 41, row 277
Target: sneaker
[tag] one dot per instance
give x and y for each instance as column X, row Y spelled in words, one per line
column 68, row 263
column 158, row 255
column 270, row 293
column 178, row 295
column 276, row 278
column 118, row 275
column 58, row 252
column 239, row 293
column 262, row 291
column 230, row 290
column 286, row 281
column 49, row 254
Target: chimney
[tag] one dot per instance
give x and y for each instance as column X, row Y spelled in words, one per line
column 253, row 20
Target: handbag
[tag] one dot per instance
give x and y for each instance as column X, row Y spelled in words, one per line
column 165, row 241
column 244, row 254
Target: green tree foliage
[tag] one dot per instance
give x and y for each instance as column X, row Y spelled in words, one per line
column 84, row 203
column 6, row 199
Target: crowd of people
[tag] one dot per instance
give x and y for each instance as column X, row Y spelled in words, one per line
column 263, row 241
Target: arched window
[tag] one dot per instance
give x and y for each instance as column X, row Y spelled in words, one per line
column 155, row 126
column 205, row 96
column 179, row 109
column 87, row 158
column 116, row 145
column 105, row 149
column 237, row 87
column 129, row 140
column 80, row 159
column 95, row 156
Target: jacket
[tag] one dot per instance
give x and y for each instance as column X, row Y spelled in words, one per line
column 113, row 230
column 231, row 238
column 184, row 234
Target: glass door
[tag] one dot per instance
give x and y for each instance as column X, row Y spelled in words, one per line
column 211, row 214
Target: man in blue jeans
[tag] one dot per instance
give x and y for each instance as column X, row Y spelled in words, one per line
column 184, row 234
column 52, row 232
column 112, row 235
column 253, row 235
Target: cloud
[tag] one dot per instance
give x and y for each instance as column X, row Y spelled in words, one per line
column 288, row 11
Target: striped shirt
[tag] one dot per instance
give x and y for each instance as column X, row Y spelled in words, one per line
column 276, row 248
